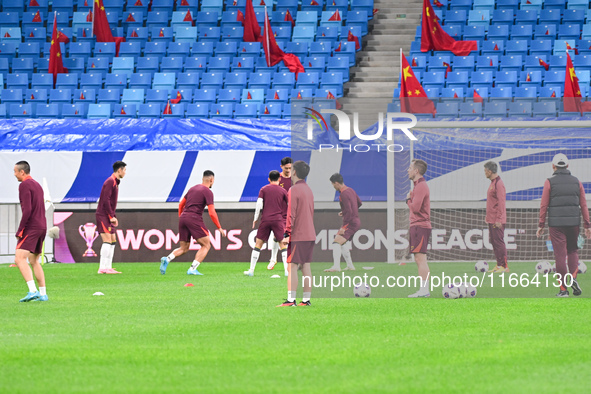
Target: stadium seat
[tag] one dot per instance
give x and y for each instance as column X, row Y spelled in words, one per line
column 571, row 16
column 554, row 78
column 217, row 64
column 458, row 79
column 506, row 79
column 140, row 81
column 148, row 65
column 87, row 96
column 186, row 95
column 67, row 81
column 229, row 95
column 138, row 34
column 209, row 34
column 161, row 34
column 188, row 80
column 157, row 19
column 469, row 109
column 501, row 94
column 17, row 81
column 178, row 49
column 259, row 81
column 104, row 49
column 526, row 93
column 196, row 64
column 123, row 65
column 131, row 50
column 36, row 96
column 42, row 81
column 163, row 81
column 205, row 95
column 433, row 79
column 74, row 65
column 132, row 96
column 236, row 80
column 22, row 110
column 447, row 109
column 545, row 108
column 270, row 110
column 213, row 80
column 197, row 110
column 51, row 111
column 60, row 96
column 230, row 18
column 246, row 111
column 242, row 65
column 249, row 49
column 171, row 64
column 277, row 95
column 495, row 109
column 150, row 110
column 125, row 110
column 252, row 96
column 535, row 78
column 481, row 79
column 118, row 81
column 109, row 96
column 512, row 63
column 155, row 49
column 224, row 110
column 527, row 17
column 177, row 111
column 520, row 109
column 205, row 48
column 99, row 111
column 452, row 94
column 156, row 96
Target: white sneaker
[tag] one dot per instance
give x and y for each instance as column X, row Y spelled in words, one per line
column 349, row 269
column 271, row 265
column 332, row 269
column 286, row 273
column 249, row 273
column 420, row 293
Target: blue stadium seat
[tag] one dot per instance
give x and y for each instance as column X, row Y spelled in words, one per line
column 540, row 47
column 23, row 66
column 230, row 19
column 212, row 80
column 197, row 110
column 47, row 111
column 74, row 65
column 206, row 48
column 163, row 81
column 320, row 49
column 153, row 110
column 196, row 64
column 109, row 95
column 480, row 79
column 548, row 16
column 205, row 95
column 235, row 80
column 67, row 81
column 118, row 81
column 155, row 49
column 246, row 111
column 307, row 18
column 554, row 78
column 259, row 81
column 207, row 18
column 165, row 6
column 41, row 81
column 223, row 110
column 125, row 110
column 178, row 111
column 432, row 93
column 504, row 94
column 98, row 65
column 171, row 64
column 496, row 109
column 217, row 64
column 270, row 110
column 140, row 81
column 11, row 96
column 479, row 17
column 282, row 34
column 569, row 31
column 242, row 64
column 469, row 109
column 317, row 64
column 457, row 79
column 526, row 93
column 36, row 96
column 516, row 47
column 130, row 50
column 249, row 49
column 299, row 49
column 452, row 94
column 8, row 50
column 29, row 49
column 291, row 5
column 156, row 96
column 99, row 111
column 185, row 34
column 188, row 80
column 132, row 96
column 332, row 80
column 186, row 94
column 327, row 33
column 18, row 81
column 339, row 64
column 502, row 17
column 277, row 95
column 433, row 79
column 527, row 17
column 234, row 34
column 178, row 49
column 212, row 5
column 490, row 63
column 456, row 16
column 447, row 109
column 531, row 5
column 104, row 49
column 252, row 96
column 138, row 34
column 520, row 109
column 535, row 78
column 301, row 94
column 84, row 96
column 545, row 108
column 545, row 32
column 483, row 92
column 303, row 33
column 60, row 96
column 161, row 34
column 506, row 79
column 148, row 65
column 475, row 32
column 308, row 80
column 209, row 33
column 22, row 110
column 521, row 32
column 573, row 16
column 132, row 20
column 358, row 18
column 511, row 63
column 157, row 19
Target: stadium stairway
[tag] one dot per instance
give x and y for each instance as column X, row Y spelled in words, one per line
column 376, row 75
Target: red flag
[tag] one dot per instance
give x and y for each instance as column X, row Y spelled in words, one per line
column 448, row 68
column 455, row 95
column 252, row 30
column 437, row 4
column 351, row 37
column 289, row 18
column 85, row 3
column 178, row 98
column 262, row 2
column 544, row 64
column 338, row 49
column 235, row 2
column 161, row 34
column 82, row 96
column 92, row 66
column 569, row 48
column 266, row 111
column 83, row 32
column 434, row 37
column 528, row 2
column 76, row 112
column 491, row 62
column 89, row 16
column 101, row 27
column 476, row 97
column 56, row 64
column 547, row 32
column 336, row 16
column 553, row 94
column 248, row 96
column 240, row 17
column 31, row 34
column 134, row 33
column 276, row 97
column 123, row 111
column 37, row 17
column 313, row 2
column 167, row 109
column 572, row 92
column 528, row 78
column 274, row 54
column 138, row 3
column 188, row 17
column 33, row 3
column 130, row 18
column 184, row 3
column 239, row 64
column 217, row 111
column 299, row 97
column 32, row 96
column 413, row 98
column 414, row 62
column 6, row 35
column 376, row 10
column 330, row 96
column 496, row 48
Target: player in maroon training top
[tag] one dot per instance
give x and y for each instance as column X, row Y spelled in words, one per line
column 496, row 216
column 273, row 203
column 300, row 234
column 419, row 204
column 350, row 204
column 191, row 223
column 106, row 220
column 284, row 182
column 31, row 232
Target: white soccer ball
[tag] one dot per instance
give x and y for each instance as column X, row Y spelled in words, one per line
column 481, row 266
column 582, row 267
column 553, row 268
column 543, row 267
column 470, row 290
column 451, row 291
column 463, row 290
column 362, row 290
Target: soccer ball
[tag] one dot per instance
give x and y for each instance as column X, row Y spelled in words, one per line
column 481, row 266
column 362, row 290
column 451, row 291
column 553, row 268
column 463, row 291
column 582, row 267
column 543, row 267
column 470, row 290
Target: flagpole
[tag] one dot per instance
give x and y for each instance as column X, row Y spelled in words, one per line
column 93, row 14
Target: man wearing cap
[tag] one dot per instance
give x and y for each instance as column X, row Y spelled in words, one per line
column 563, row 198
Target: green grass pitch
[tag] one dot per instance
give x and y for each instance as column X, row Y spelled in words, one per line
column 149, row 333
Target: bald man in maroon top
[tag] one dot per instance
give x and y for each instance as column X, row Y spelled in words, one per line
column 106, row 219
column 31, row 232
column 419, row 204
column 272, row 201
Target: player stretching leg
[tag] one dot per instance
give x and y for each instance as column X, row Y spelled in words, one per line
column 419, row 204
column 273, row 203
column 106, row 221
column 300, row 235
column 30, row 232
column 350, row 204
column 284, row 182
column 191, row 223
column 563, row 198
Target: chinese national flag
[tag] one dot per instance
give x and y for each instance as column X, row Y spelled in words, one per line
column 544, row 64
column 276, row 96
column 89, row 16
column 289, row 18
column 274, row 54
column 433, row 37
column 31, row 34
column 123, row 111
column 456, row 95
column 351, row 37
column 33, row 3
column 161, row 34
column 248, row 96
column 266, row 111
column 56, row 64
column 448, row 68
column 437, row 4
column 37, row 17
column 240, row 17
column 569, row 48
column 547, row 32
column 101, row 27
column 6, row 35
column 178, row 98
column 133, row 33
column 188, row 17
column 252, row 30
column 83, row 32
column 553, row 94
column 313, row 2
column 130, row 18
column 413, row 98
column 138, row 3
column 167, row 109
column 82, row 96
column 496, row 48
column 336, row 16
column 476, row 97
column 338, row 49
column 299, row 97
column 185, row 3
column 239, row 64
column 32, row 96
column 414, row 62
column 262, row 2
column 572, row 92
